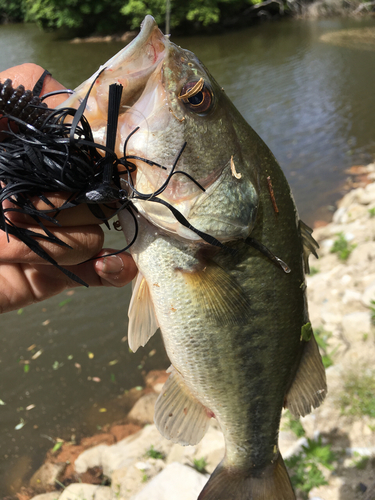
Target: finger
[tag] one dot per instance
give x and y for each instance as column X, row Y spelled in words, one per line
column 80, row 215
column 115, row 270
column 46, row 280
column 85, row 242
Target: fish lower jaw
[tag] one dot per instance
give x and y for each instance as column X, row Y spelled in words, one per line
column 166, row 222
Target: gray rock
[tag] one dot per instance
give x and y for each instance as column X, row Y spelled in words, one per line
column 124, row 453
column 128, row 481
column 361, row 451
column 81, row 491
column 211, row 448
column 47, row 475
column 176, row 481
column 363, row 253
column 351, row 197
column 355, row 325
column 53, row 495
column 368, row 295
column 143, row 410
column 90, row 458
column 295, row 448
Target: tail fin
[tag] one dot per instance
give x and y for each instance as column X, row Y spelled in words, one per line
column 271, row 483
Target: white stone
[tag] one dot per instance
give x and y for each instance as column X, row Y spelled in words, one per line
column 142, row 465
column 53, row 495
column 128, row 481
column 346, row 279
column 90, row 458
column 355, row 325
column 351, row 296
column 143, row 410
column 296, row 448
column 361, row 451
column 351, row 197
column 340, row 216
column 363, row 254
column 81, row 491
column 158, row 387
column 327, row 244
column 211, row 448
column 287, row 439
column 368, row 295
column 176, row 481
column 124, row 453
column 47, row 475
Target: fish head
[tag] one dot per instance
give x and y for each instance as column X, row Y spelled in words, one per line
column 175, row 119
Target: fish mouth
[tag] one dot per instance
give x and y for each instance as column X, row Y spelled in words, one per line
column 132, row 68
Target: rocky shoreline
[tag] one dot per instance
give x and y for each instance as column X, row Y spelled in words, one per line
column 132, row 461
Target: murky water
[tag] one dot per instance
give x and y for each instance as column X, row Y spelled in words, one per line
column 310, row 98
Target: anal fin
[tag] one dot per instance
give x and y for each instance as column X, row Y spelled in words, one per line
column 179, row 416
column 309, row 387
column 142, row 320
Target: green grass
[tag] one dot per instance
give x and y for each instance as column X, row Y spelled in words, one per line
column 342, row 247
column 358, row 397
column 305, row 468
column 294, row 425
column 372, row 212
column 360, row 462
column 313, row 270
column 322, row 337
column 152, row 453
column 372, row 312
column 200, row 465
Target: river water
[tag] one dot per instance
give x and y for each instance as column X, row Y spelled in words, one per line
column 305, row 86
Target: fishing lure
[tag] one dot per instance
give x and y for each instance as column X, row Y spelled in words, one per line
column 54, row 150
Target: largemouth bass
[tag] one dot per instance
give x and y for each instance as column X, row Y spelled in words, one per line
column 233, row 316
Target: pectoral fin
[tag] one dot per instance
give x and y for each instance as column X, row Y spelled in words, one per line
column 179, row 416
column 309, row 387
column 309, row 244
column 142, row 320
column 222, row 299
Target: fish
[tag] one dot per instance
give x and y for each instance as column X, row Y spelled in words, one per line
column 222, row 256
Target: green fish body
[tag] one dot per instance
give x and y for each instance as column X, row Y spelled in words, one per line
column 234, row 317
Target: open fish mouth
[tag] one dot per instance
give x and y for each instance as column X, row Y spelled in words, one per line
column 131, row 68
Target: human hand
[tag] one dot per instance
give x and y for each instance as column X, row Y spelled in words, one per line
column 25, row 277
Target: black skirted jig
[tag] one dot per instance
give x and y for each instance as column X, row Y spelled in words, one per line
column 54, row 150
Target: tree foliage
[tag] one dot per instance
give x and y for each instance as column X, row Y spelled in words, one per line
column 87, row 16
column 201, row 12
column 12, row 11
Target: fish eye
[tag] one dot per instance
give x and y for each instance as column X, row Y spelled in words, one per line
column 197, row 96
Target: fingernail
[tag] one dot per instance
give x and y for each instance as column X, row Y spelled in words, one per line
column 112, row 265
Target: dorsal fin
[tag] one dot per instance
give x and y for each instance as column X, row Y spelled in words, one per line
column 309, row 387
column 142, row 320
column 221, row 298
column 308, row 242
column 179, row 416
